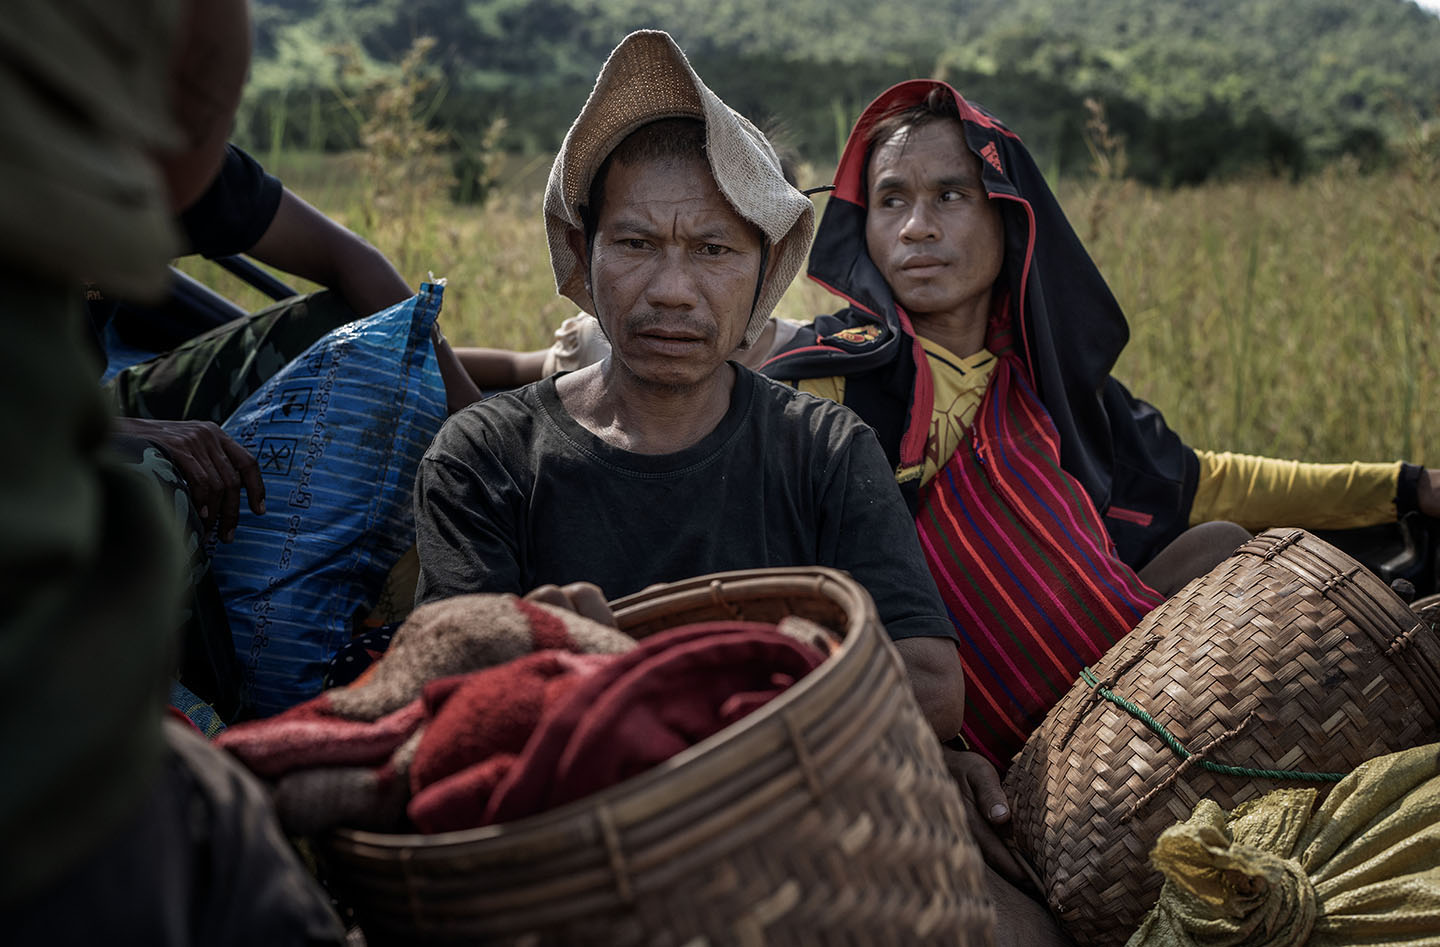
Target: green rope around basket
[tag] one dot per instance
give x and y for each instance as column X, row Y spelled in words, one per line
column 1179, row 749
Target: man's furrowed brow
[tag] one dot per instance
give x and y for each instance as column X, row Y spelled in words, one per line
column 719, row 233
column 632, row 225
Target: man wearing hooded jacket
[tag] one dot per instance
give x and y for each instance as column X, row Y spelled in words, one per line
column 1054, row 508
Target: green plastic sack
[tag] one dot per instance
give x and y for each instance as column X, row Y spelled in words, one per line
column 1362, row 869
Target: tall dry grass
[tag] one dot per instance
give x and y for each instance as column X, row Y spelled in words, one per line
column 500, row 292
column 1290, row 320
column 1285, row 319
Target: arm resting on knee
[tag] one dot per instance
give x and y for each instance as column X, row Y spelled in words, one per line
column 933, row 665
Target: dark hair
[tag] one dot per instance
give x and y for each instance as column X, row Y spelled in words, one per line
column 669, row 139
column 938, row 106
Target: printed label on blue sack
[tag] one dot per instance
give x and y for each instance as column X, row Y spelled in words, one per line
column 338, row 434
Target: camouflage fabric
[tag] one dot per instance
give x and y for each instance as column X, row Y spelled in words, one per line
column 207, row 378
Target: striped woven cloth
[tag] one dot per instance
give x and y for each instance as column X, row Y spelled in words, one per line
column 1024, row 565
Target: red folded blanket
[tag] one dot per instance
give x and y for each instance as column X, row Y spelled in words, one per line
column 477, row 726
column 343, row 758
column 638, row 709
column 455, row 750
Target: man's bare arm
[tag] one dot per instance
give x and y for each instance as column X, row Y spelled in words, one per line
column 933, row 665
column 502, row 368
column 303, row 241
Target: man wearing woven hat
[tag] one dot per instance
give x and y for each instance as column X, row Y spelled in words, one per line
column 669, row 219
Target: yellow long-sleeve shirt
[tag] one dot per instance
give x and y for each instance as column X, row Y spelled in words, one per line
column 1259, row 492
column 1255, row 492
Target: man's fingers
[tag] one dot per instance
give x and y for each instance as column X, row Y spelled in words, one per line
column 989, row 795
column 237, row 470
column 214, row 466
column 588, row 600
column 988, row 809
column 249, row 471
column 205, row 482
column 225, row 502
column 979, row 783
column 230, row 492
column 582, row 598
column 548, row 595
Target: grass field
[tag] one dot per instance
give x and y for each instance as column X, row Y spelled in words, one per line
column 1293, row 320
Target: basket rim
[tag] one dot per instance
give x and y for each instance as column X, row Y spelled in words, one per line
column 1332, row 571
column 632, row 801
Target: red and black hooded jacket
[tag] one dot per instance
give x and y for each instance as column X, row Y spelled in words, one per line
column 1135, row 469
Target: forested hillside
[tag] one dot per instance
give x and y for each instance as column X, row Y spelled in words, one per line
column 1197, row 88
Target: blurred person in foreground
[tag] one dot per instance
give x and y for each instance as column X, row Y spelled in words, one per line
column 116, row 826
column 1054, row 508
column 668, row 217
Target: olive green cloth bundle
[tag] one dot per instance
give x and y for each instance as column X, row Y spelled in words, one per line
column 1362, row 869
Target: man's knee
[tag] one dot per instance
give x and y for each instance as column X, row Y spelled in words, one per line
column 201, row 863
column 1192, row 554
column 250, row 886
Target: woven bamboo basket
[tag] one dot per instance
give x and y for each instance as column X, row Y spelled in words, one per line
column 827, row 816
column 1288, row 657
column 1428, row 608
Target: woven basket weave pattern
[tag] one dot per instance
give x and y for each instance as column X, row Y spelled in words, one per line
column 1289, row 656
column 825, row 817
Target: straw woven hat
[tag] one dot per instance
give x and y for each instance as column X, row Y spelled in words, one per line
column 647, row 78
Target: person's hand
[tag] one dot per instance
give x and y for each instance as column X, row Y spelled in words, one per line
column 1427, row 492
column 215, row 468
column 582, row 598
column 988, row 811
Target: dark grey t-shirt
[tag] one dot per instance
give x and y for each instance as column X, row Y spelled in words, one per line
column 515, row 493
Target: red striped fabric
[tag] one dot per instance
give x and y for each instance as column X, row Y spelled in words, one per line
column 1024, row 565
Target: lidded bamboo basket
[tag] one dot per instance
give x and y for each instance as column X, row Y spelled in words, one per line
column 827, row 816
column 1288, row 657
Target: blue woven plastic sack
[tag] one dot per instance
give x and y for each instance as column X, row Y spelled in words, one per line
column 338, row 434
